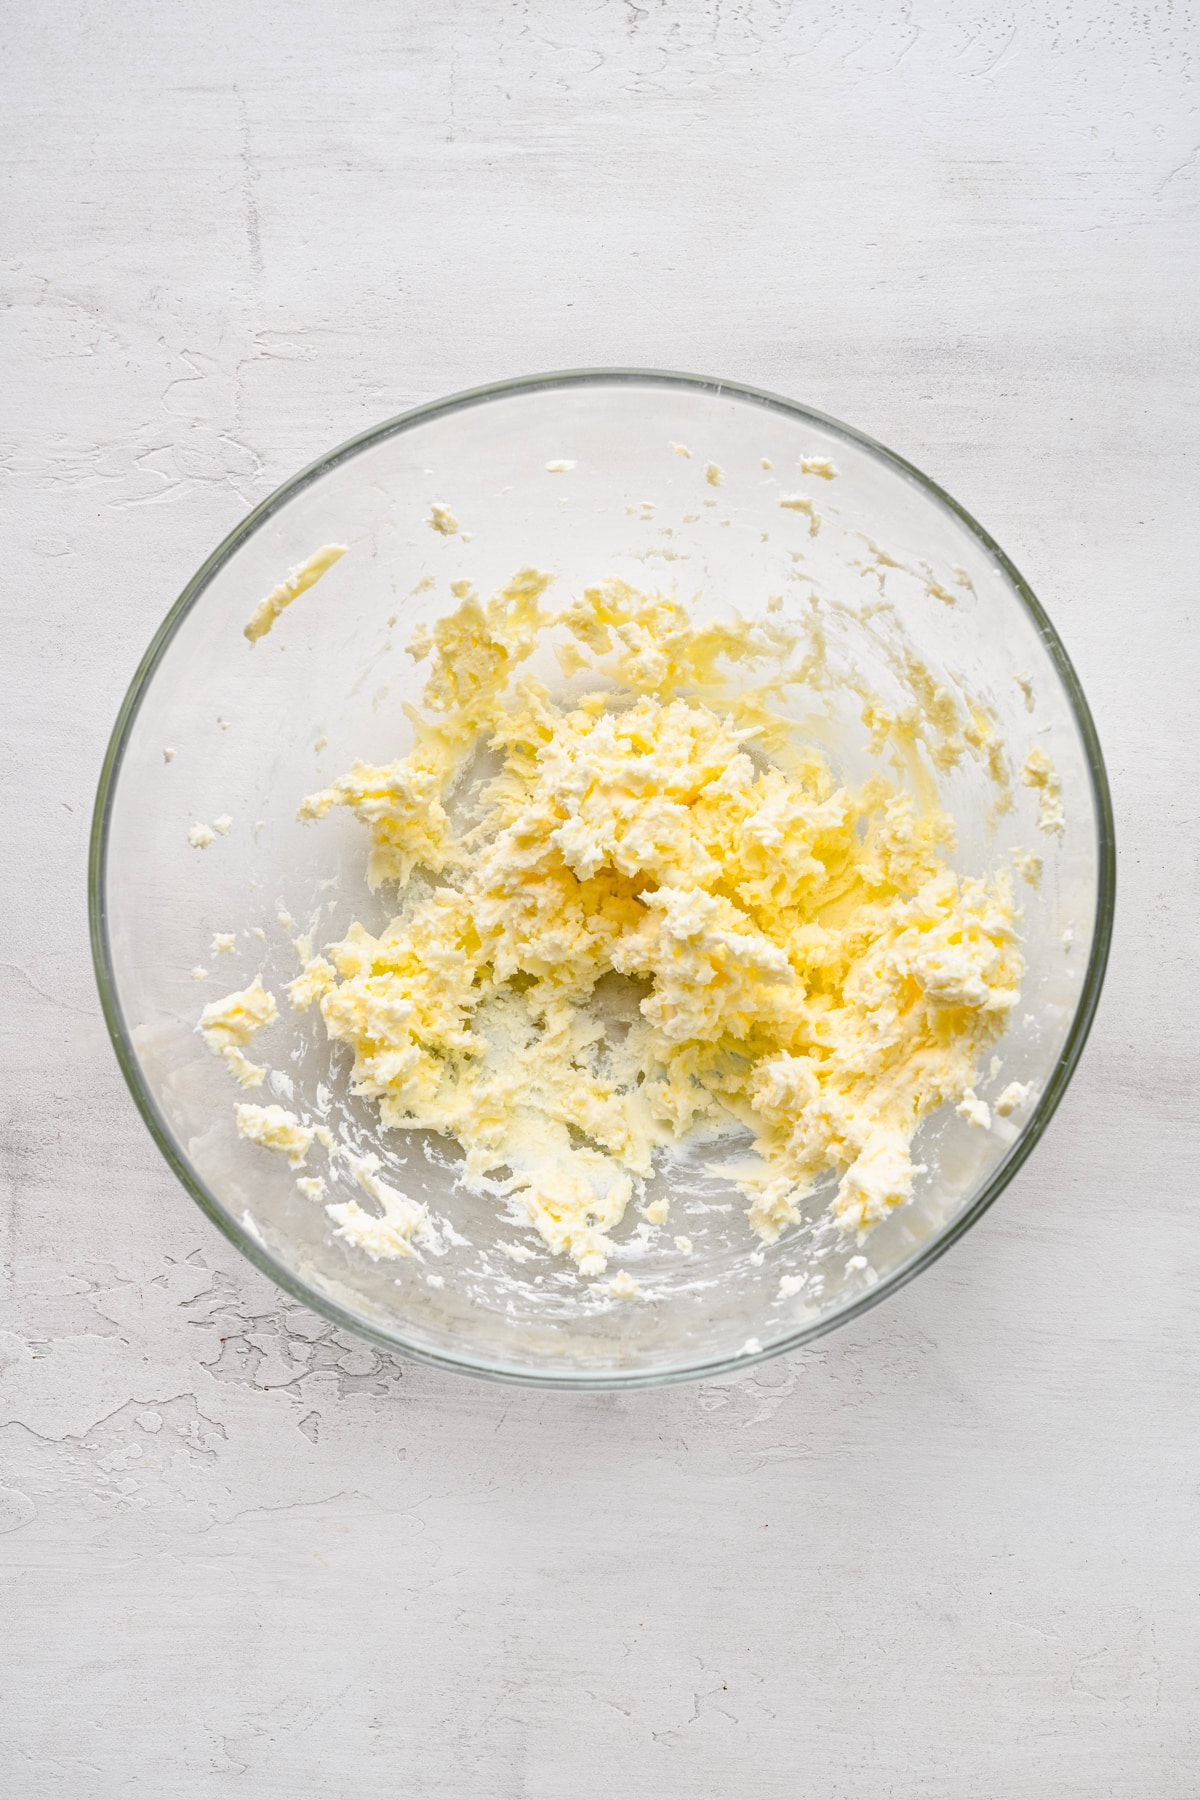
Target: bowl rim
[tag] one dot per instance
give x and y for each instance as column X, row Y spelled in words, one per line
column 575, row 1380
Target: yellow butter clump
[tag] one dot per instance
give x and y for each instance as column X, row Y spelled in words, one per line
column 649, row 911
column 228, row 1025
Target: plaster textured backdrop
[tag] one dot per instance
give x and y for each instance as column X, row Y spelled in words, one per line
column 954, row 1551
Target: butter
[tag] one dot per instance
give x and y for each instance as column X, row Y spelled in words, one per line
column 623, row 1286
column 1028, row 865
column 1039, row 773
column 228, row 1025
column 802, row 504
column 660, row 916
column 975, row 1111
column 1013, row 1098
column 274, row 1128
column 306, row 575
column 390, row 1232
column 315, row 979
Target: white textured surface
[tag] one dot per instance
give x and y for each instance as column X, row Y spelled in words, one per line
column 954, row 1551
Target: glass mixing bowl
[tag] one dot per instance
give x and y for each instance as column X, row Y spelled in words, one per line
column 252, row 730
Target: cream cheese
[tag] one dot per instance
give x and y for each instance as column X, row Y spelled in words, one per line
column 1039, row 773
column 274, row 1128
column 442, row 520
column 1013, row 1098
column 228, row 1025
column 786, row 956
column 304, row 576
column 390, row 1231
column 802, row 504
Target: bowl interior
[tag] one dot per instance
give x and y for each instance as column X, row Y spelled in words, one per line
column 897, row 577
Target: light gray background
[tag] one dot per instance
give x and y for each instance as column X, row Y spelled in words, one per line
column 953, row 1552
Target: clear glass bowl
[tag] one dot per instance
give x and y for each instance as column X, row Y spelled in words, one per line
column 254, row 730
